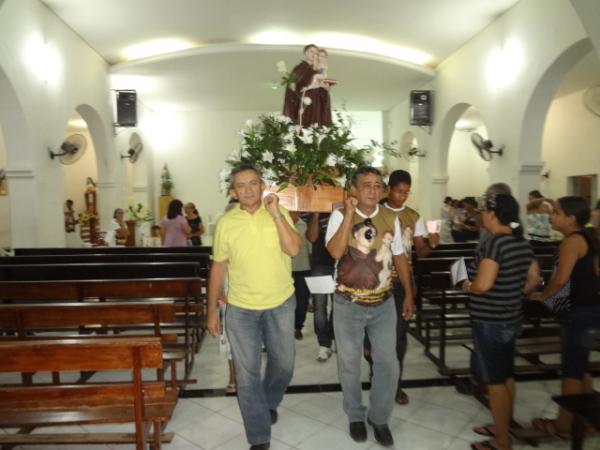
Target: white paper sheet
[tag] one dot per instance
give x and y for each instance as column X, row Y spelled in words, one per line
column 434, row 226
column 320, row 285
column 458, row 271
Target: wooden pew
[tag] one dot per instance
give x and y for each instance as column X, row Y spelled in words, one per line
column 136, row 401
column 70, row 320
column 111, row 250
column 97, row 271
column 185, row 291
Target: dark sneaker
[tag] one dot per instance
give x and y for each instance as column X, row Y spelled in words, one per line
column 265, row 446
column 358, row 431
column 298, row 335
column 274, row 416
column 383, row 435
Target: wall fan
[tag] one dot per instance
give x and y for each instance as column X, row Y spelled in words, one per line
column 485, row 147
column 413, row 153
column 71, row 150
column 134, row 152
column 591, row 99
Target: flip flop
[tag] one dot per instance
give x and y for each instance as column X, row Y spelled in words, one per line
column 548, row 426
column 484, row 444
column 484, row 430
column 231, row 388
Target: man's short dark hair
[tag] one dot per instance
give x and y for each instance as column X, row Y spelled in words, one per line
column 363, row 170
column 242, row 168
column 309, row 46
column 399, row 176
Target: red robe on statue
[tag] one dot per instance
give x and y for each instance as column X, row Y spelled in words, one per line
column 291, row 103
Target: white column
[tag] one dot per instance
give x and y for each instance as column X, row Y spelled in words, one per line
column 107, row 201
column 23, row 207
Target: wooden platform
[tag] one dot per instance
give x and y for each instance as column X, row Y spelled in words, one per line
column 309, row 198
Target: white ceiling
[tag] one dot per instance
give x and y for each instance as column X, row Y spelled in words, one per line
column 225, row 72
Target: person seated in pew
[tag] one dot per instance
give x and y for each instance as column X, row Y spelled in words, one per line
column 502, row 270
column 154, row 239
column 578, row 265
column 118, row 232
column 466, row 228
column 413, row 234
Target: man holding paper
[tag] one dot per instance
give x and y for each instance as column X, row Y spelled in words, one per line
column 253, row 243
column 366, row 240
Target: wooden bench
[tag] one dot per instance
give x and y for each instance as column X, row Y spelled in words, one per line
column 97, row 271
column 143, row 403
column 111, row 250
column 186, row 292
column 79, row 320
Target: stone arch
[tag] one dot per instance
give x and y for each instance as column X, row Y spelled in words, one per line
column 98, row 133
column 534, row 119
column 446, row 132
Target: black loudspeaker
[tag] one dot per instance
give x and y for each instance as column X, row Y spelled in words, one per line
column 420, row 108
column 126, row 108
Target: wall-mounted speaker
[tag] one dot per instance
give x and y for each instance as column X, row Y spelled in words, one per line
column 420, row 108
column 126, row 108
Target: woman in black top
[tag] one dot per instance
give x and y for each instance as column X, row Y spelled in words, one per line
column 578, row 263
column 195, row 223
column 503, row 269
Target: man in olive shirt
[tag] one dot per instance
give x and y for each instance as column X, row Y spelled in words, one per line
column 254, row 243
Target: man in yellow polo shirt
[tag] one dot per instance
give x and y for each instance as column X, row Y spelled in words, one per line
column 254, row 243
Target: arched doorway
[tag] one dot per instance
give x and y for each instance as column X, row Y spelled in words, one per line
column 541, row 125
column 571, row 132
column 468, row 173
column 80, row 174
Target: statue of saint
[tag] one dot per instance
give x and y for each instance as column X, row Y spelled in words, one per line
column 307, row 100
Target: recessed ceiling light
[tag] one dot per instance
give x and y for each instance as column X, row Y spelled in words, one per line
column 155, row 47
column 342, row 41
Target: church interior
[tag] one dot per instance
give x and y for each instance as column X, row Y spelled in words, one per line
column 110, row 105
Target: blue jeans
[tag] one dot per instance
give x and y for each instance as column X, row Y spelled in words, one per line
column 247, row 330
column 323, row 324
column 351, row 321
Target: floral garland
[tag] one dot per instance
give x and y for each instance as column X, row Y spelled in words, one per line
column 86, row 216
column 286, row 153
column 139, row 213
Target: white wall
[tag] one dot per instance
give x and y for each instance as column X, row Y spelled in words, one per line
column 571, row 143
column 196, row 144
column 538, row 32
column 35, row 113
column 468, row 174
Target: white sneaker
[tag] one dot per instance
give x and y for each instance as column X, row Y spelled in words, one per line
column 324, row 354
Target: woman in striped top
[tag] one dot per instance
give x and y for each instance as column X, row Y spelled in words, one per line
column 504, row 268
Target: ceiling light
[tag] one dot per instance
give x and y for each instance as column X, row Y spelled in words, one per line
column 155, row 47
column 342, row 41
column 366, row 44
column 77, row 123
column 276, row 37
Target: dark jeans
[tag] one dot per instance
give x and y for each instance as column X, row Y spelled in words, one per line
column 574, row 326
column 302, row 293
column 401, row 329
column 323, row 323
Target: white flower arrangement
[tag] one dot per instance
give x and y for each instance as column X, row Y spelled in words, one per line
column 286, row 153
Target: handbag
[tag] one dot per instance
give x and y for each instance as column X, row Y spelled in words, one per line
column 560, row 302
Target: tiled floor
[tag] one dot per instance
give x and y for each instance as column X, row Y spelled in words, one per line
column 437, row 417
